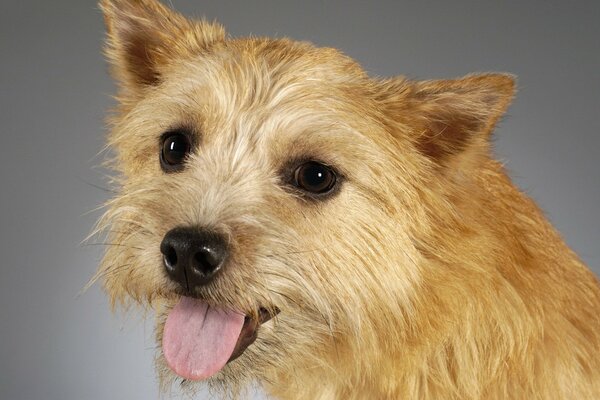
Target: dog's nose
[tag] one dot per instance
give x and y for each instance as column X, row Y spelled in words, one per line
column 193, row 256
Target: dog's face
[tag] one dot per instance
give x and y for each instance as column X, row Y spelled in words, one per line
column 275, row 202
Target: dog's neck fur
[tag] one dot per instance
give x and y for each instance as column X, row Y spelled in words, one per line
column 484, row 339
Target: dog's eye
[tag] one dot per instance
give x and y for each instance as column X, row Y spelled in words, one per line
column 175, row 149
column 314, row 177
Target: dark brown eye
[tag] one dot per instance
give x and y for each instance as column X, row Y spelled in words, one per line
column 175, row 149
column 314, row 177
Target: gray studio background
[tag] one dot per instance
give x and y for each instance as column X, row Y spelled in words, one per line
column 54, row 91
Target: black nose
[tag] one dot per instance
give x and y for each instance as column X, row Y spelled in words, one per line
column 193, row 256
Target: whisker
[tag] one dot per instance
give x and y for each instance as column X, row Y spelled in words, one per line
column 113, row 244
column 101, row 275
column 296, row 252
column 107, row 190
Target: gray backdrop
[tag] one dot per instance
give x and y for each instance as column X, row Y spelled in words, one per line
column 54, row 91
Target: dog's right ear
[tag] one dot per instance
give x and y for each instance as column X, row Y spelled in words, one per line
column 450, row 121
column 144, row 37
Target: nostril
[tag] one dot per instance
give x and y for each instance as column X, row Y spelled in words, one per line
column 207, row 261
column 170, row 257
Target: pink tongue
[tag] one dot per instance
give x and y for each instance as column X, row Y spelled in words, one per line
column 198, row 340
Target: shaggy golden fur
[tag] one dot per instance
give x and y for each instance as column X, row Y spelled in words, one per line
column 428, row 275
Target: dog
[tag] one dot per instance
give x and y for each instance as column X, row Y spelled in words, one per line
column 295, row 222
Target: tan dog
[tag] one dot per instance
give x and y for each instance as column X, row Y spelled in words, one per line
column 331, row 235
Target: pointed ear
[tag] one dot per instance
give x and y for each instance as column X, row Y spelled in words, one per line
column 144, row 36
column 455, row 116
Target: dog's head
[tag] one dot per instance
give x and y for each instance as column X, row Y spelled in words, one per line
column 275, row 203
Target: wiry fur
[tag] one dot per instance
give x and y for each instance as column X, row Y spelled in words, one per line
column 427, row 275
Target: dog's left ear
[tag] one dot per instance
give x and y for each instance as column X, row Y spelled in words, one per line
column 144, row 36
column 450, row 118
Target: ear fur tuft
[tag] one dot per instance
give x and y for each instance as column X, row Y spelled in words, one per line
column 458, row 114
column 144, row 36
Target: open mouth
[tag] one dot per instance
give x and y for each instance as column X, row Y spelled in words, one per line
column 250, row 331
column 199, row 339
